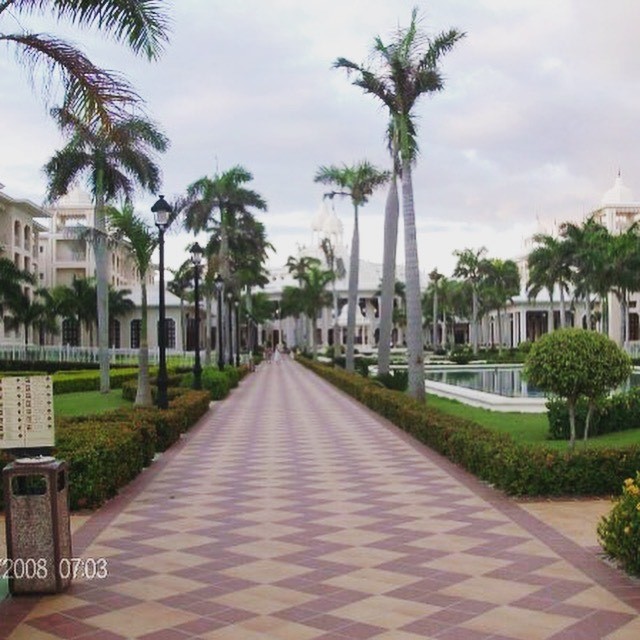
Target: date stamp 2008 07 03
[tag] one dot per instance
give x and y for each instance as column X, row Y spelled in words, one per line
column 41, row 569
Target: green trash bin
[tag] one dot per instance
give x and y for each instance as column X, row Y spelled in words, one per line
column 38, row 529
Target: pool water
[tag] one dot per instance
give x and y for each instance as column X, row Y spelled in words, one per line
column 502, row 381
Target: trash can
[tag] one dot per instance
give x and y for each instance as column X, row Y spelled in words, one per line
column 36, row 499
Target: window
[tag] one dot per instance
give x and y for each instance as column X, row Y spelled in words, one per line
column 114, row 333
column 170, row 333
column 136, row 326
column 71, row 332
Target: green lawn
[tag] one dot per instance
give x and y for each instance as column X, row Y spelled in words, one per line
column 88, row 402
column 528, row 428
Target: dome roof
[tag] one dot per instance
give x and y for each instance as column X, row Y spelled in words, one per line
column 333, row 225
column 320, row 219
column 618, row 194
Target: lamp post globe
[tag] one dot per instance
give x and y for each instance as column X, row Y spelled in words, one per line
column 162, row 212
column 196, row 259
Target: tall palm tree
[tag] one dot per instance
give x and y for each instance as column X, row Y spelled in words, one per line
column 88, row 90
column 11, row 280
column 142, row 241
column 116, row 160
column 407, row 69
column 502, row 283
column 549, row 267
column 335, row 264
column 469, row 268
column 358, row 182
column 213, row 205
column 298, row 267
column 315, row 297
column 180, row 286
column 435, row 278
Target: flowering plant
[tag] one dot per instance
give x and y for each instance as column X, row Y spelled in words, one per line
column 619, row 532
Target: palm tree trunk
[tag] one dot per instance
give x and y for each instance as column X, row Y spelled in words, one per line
column 435, row 314
column 499, row 331
column 474, row 313
column 102, row 285
column 550, row 318
column 391, row 213
column 143, row 392
column 415, row 352
column 563, row 313
column 353, row 292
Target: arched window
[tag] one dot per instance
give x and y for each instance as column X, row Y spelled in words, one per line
column 136, row 326
column 170, row 333
column 114, row 333
column 17, row 233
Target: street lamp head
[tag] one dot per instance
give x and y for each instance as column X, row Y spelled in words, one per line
column 161, row 210
column 219, row 283
column 196, row 254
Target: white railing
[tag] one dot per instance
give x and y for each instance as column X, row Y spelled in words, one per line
column 87, row 355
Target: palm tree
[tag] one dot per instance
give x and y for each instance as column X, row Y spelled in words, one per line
column 11, row 280
column 587, row 248
column 435, row 277
column 214, row 205
column 88, row 90
column 142, row 242
column 502, row 282
column 315, row 297
column 25, row 311
column 116, row 159
column 409, row 69
column 335, row 264
column 298, row 267
column 469, row 268
column 180, row 287
column 358, row 182
column 549, row 267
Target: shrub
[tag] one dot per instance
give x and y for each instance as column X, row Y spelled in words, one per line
column 619, row 532
column 216, row 382
column 461, row 355
column 69, row 382
column 397, row 379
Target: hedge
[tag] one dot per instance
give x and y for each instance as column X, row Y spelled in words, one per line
column 618, row 412
column 106, row 451
column 69, row 382
column 494, row 457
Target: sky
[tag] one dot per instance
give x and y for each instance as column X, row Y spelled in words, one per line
column 539, row 113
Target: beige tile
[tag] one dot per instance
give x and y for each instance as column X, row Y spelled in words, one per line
column 178, row 541
column 347, row 521
column 266, row 548
column 156, row 587
column 265, row 571
column 54, row 604
column 267, row 530
column 373, row 581
column 166, row 562
column 467, row 563
column 630, row 631
column 362, row 556
column 354, row 537
column 451, row 542
column 23, row 632
column 146, row 617
column 598, row 598
column 385, row 612
column 264, row 599
column 490, row 590
column 523, row 624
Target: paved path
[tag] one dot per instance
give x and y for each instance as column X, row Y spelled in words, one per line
column 290, row 512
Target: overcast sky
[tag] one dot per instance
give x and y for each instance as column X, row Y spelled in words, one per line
column 539, row 112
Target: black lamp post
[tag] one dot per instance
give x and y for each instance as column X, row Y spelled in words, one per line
column 219, row 283
column 162, row 211
column 237, row 306
column 230, row 326
column 196, row 259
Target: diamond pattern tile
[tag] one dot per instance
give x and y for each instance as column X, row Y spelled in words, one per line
column 291, row 512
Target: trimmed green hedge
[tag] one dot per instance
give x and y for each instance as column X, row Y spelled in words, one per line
column 106, row 451
column 494, row 457
column 69, row 382
column 618, row 412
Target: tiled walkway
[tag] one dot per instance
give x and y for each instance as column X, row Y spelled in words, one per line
column 290, row 512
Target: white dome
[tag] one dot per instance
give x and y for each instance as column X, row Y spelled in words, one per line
column 333, row 225
column 320, row 219
column 618, row 194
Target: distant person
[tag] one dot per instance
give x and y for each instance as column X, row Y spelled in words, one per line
column 276, row 354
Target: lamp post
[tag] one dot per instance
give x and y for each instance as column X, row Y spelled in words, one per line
column 162, row 211
column 196, row 259
column 237, row 306
column 230, row 326
column 219, row 284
